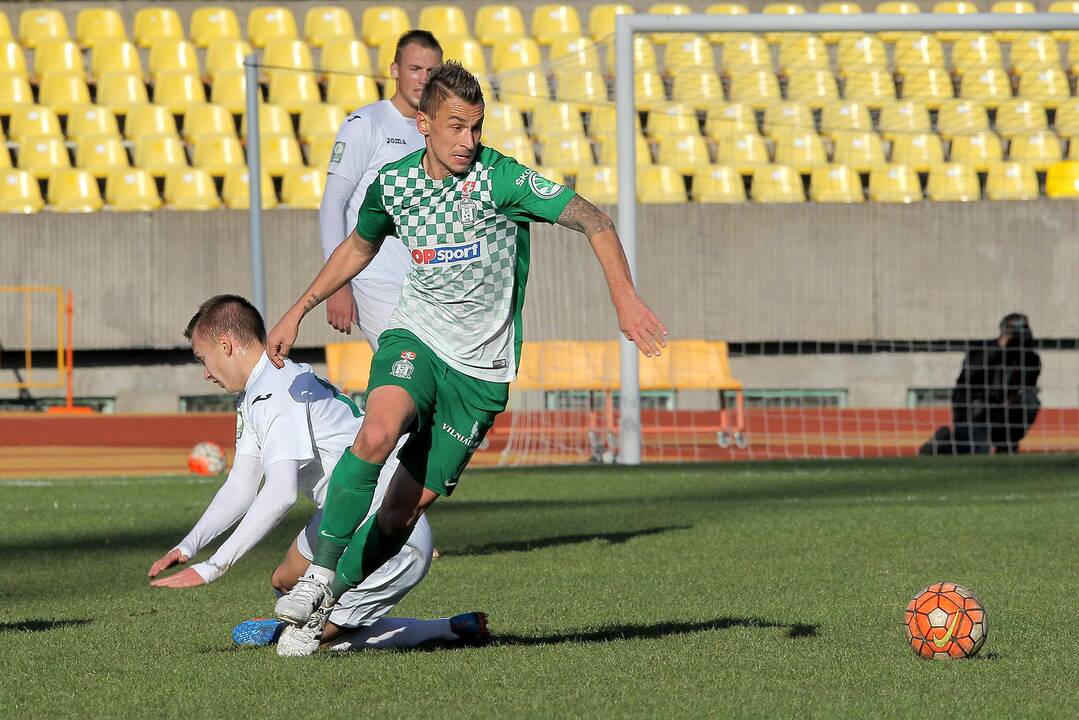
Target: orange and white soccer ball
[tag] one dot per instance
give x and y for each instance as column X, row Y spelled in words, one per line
column 946, row 620
column 206, row 458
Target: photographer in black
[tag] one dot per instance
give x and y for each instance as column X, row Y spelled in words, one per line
column 995, row 400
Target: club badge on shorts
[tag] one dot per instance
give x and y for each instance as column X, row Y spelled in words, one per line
column 404, row 368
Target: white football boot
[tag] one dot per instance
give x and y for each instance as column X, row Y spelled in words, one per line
column 301, row 640
column 307, row 596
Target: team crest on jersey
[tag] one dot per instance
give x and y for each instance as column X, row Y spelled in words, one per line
column 467, row 187
column 404, row 368
column 544, row 188
column 466, row 210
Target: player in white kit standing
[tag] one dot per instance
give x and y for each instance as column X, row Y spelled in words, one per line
column 370, row 137
column 292, row 427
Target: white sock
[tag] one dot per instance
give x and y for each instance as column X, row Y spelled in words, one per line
column 395, row 633
column 323, row 575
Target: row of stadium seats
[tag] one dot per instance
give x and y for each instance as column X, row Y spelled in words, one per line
column 382, row 24
column 135, row 189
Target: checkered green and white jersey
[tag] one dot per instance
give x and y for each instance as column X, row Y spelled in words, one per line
column 468, row 237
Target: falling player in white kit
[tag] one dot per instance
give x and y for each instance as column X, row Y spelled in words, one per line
column 370, row 137
column 292, row 426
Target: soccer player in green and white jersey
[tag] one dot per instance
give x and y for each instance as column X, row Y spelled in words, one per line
column 443, row 368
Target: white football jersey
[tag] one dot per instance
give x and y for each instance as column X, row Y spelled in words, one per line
column 369, row 138
column 293, row 414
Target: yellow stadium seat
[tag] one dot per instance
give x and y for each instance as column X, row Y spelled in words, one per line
column 210, row 24
column 273, row 120
column 688, row 53
column 787, row 117
column 598, row 184
column 1020, row 115
column 672, row 119
column 279, row 153
column 40, row 156
column 515, row 54
column 173, row 56
column 978, row 150
column 1047, row 85
column 91, row 121
column 268, row 23
column 608, row 151
column 802, row 53
column 302, row 187
column 744, row 151
column 700, row 89
column 229, row 90
column 319, row 149
column 838, row 8
column 857, row 53
column 990, row 86
column 495, row 23
column 554, row 174
column 190, row 189
column 777, row 184
column 953, row 7
column 602, row 120
column 320, row 119
column 12, row 59
column 1066, row 121
column 915, row 53
column 747, row 52
column 282, row 53
column 54, row 57
column 5, row 159
column 41, row 24
column 208, row 120
column 657, row 184
column 14, row 92
column 897, row 7
column 525, row 89
column 226, row 55
column 957, row 117
column 99, row 155
column 19, row 192
column 858, row 149
column 5, row 28
column 236, row 190
column 875, row 88
column 550, row 21
column 574, row 53
column 383, row 23
column 953, row 182
column 466, row 51
column 447, row 21
column 687, row 153
column 348, row 365
column 844, row 115
column 894, row 184
column 345, row 56
column 518, row 147
column 131, row 190
column 178, row 91
column 92, row 25
column 667, row 8
column 756, row 88
column 153, row 24
column 1038, row 150
column 121, row 91
column 1011, row 7
column 930, row 86
column 1067, row 7
column 903, row 117
column 1011, row 181
column 294, row 91
column 781, row 8
column 1062, row 179
column 556, row 118
column 718, row 184
column 814, row 87
column 649, row 91
column 835, row 184
column 602, row 18
column 349, row 92
column 63, row 92
column 800, row 149
column 975, row 50
column 582, row 86
column 217, row 154
column 73, row 191
column 917, row 150
column 324, row 23
column 385, row 58
column 115, row 56
column 33, row 121
column 502, row 116
column 567, row 153
column 157, row 154
column 1033, row 50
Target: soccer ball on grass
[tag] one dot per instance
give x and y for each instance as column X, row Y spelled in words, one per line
column 206, row 458
column 946, row 620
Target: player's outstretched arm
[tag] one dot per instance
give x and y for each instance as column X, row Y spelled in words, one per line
column 635, row 319
column 346, row 262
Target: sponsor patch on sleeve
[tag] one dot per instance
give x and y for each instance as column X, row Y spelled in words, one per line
column 542, row 187
column 338, row 151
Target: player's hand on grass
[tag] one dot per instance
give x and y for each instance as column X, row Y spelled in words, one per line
column 341, row 310
column 172, row 557
column 638, row 323
column 186, row 578
column 281, row 339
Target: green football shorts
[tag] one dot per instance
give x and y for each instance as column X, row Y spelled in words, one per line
column 453, row 411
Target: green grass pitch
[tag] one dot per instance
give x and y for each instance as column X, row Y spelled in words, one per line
column 738, row 590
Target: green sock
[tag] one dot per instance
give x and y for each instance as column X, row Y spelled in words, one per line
column 348, row 498
column 368, row 551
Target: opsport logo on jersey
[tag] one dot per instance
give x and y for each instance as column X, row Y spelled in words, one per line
column 447, row 254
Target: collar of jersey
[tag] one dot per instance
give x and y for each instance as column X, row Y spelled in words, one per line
column 256, row 371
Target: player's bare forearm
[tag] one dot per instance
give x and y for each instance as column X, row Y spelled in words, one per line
column 346, row 262
column 635, row 319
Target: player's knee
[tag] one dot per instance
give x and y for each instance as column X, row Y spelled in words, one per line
column 375, row 442
column 280, row 579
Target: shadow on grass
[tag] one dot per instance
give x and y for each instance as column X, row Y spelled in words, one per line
column 41, row 625
column 613, row 538
column 655, row 631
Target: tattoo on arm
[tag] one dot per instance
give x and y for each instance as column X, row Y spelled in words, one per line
column 310, row 301
column 584, row 217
